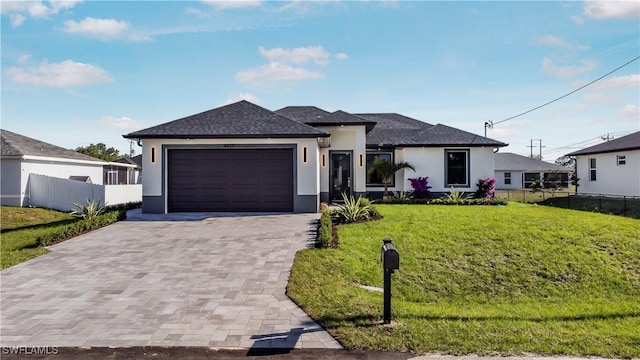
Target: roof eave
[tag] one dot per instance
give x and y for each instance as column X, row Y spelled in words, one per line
column 436, row 145
column 580, row 152
column 225, row 136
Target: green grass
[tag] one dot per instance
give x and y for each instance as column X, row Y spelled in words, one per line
column 20, row 227
column 481, row 279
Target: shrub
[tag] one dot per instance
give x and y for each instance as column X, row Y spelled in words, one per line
column 402, row 195
column 353, row 210
column 486, row 188
column 366, row 202
column 456, row 196
column 88, row 211
column 420, row 187
column 325, row 228
column 80, row 226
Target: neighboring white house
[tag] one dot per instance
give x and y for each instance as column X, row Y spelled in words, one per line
column 514, row 171
column 242, row 157
column 21, row 156
column 611, row 168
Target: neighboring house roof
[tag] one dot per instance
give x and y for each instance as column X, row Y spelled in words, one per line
column 19, row 145
column 314, row 116
column 515, row 162
column 136, row 160
column 239, row 120
column 399, row 130
column 629, row 142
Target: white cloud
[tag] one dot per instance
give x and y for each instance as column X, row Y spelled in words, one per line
column 622, row 10
column 233, row 4
column 601, row 98
column 19, row 10
column 342, row 56
column 197, row 12
column 105, row 29
column 17, row 19
column 625, row 81
column 24, row 58
column 64, row 74
column 241, row 96
column 559, row 42
column 568, row 71
column 275, row 72
column 121, row 123
column 301, row 55
column 504, row 133
column 630, row 111
column 298, row 6
column 578, row 20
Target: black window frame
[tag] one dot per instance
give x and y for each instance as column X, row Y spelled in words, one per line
column 467, row 168
column 621, row 160
column 593, row 169
column 529, row 178
column 367, row 162
column 507, row 178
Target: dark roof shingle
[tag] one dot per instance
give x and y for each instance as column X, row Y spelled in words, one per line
column 238, row 120
column 515, row 162
column 629, row 142
column 19, row 145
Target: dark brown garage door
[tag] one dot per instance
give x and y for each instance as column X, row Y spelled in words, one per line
column 230, row 180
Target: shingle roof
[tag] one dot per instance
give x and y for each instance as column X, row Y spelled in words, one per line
column 239, row 120
column 515, row 162
column 399, row 130
column 314, row 116
column 629, row 142
column 136, row 160
column 19, row 145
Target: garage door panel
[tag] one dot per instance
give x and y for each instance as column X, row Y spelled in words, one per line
column 230, row 180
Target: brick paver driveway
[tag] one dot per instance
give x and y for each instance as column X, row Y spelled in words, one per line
column 216, row 282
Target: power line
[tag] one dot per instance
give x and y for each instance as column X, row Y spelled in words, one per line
column 491, row 123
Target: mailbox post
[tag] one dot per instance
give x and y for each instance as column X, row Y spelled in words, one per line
column 390, row 262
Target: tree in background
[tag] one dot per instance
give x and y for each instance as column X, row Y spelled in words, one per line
column 566, row 161
column 100, row 151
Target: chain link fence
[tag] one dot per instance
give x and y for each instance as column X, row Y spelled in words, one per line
column 607, row 204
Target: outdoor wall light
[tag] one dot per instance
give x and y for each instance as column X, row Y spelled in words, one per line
column 153, row 154
column 361, row 160
column 324, row 157
column 304, row 154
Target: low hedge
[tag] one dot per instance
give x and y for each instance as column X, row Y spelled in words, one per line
column 325, row 227
column 443, row 201
column 81, row 226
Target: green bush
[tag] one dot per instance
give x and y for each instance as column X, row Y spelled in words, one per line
column 353, row 209
column 88, row 211
column 81, row 226
column 325, row 227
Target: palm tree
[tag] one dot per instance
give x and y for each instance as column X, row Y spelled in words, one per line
column 385, row 169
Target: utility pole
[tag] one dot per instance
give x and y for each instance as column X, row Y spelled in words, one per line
column 538, row 146
column 531, row 146
column 607, row 137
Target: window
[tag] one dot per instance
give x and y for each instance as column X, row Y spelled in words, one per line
column 507, row 178
column 457, row 168
column 112, row 177
column 621, row 159
column 374, row 179
column 529, row 178
column 592, row 169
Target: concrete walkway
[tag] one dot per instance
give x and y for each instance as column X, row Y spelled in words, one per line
column 218, row 282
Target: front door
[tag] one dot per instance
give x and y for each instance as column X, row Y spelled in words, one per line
column 340, row 175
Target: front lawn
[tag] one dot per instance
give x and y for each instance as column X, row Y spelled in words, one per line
column 22, row 227
column 481, row 279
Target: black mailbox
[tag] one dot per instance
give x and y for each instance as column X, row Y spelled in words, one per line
column 389, row 256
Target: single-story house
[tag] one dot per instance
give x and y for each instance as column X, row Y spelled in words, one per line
column 610, row 168
column 133, row 175
column 243, row 157
column 21, row 156
column 513, row 171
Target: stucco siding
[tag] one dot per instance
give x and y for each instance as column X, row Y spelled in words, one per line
column 611, row 178
column 347, row 138
column 516, row 180
column 306, row 173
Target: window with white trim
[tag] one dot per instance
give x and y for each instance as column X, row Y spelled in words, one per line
column 592, row 169
column 621, row 160
column 507, row 178
column 112, row 177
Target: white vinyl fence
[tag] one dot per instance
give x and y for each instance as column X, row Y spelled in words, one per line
column 60, row 194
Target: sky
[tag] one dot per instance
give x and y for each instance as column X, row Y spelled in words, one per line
column 81, row 72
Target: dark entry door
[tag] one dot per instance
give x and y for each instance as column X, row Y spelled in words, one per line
column 340, row 175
